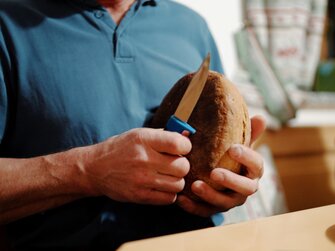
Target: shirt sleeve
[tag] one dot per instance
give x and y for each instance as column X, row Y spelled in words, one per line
column 3, row 107
column 3, row 89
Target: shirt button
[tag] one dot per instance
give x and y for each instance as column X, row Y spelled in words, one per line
column 98, row 14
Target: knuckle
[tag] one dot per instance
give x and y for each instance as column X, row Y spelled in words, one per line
column 180, row 185
column 184, row 166
column 165, row 198
column 173, row 186
column 174, row 142
column 138, row 135
column 218, row 175
column 171, row 198
column 141, row 157
column 180, row 143
column 202, row 190
column 253, row 188
column 142, row 178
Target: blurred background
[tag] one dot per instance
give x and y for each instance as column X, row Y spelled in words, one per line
column 280, row 54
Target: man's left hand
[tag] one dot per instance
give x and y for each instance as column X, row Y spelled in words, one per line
column 235, row 188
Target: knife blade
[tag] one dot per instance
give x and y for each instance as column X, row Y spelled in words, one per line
column 178, row 121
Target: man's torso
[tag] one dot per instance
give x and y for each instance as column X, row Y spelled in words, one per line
column 71, row 77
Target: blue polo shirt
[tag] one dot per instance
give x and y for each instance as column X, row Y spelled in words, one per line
column 69, row 77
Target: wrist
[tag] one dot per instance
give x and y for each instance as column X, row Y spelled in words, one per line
column 69, row 169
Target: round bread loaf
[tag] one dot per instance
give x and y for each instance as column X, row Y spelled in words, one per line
column 220, row 118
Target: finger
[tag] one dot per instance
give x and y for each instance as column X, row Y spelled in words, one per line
column 218, row 199
column 165, row 183
column 192, row 207
column 186, row 133
column 171, row 165
column 258, row 126
column 168, row 142
column 249, row 158
column 152, row 179
column 154, row 197
column 224, row 178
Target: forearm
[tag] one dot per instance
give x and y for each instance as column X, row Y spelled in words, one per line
column 140, row 166
column 26, row 209
column 28, row 186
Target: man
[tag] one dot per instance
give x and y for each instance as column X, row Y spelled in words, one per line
column 78, row 81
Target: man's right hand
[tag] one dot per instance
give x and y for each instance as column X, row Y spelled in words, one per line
column 141, row 166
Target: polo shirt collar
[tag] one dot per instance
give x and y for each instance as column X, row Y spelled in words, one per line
column 95, row 3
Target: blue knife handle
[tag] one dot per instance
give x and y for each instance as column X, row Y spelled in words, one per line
column 176, row 125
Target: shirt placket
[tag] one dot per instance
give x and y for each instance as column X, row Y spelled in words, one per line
column 122, row 47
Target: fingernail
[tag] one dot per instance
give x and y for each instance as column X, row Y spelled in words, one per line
column 186, row 133
column 197, row 187
column 235, row 151
column 218, row 175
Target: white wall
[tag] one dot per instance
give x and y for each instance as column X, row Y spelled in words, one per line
column 224, row 18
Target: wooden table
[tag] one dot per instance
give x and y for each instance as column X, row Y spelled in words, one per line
column 312, row 230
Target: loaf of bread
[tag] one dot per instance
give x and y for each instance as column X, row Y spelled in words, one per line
column 220, row 118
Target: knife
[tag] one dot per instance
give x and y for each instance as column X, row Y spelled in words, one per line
column 178, row 121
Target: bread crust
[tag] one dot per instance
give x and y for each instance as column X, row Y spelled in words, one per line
column 220, row 118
